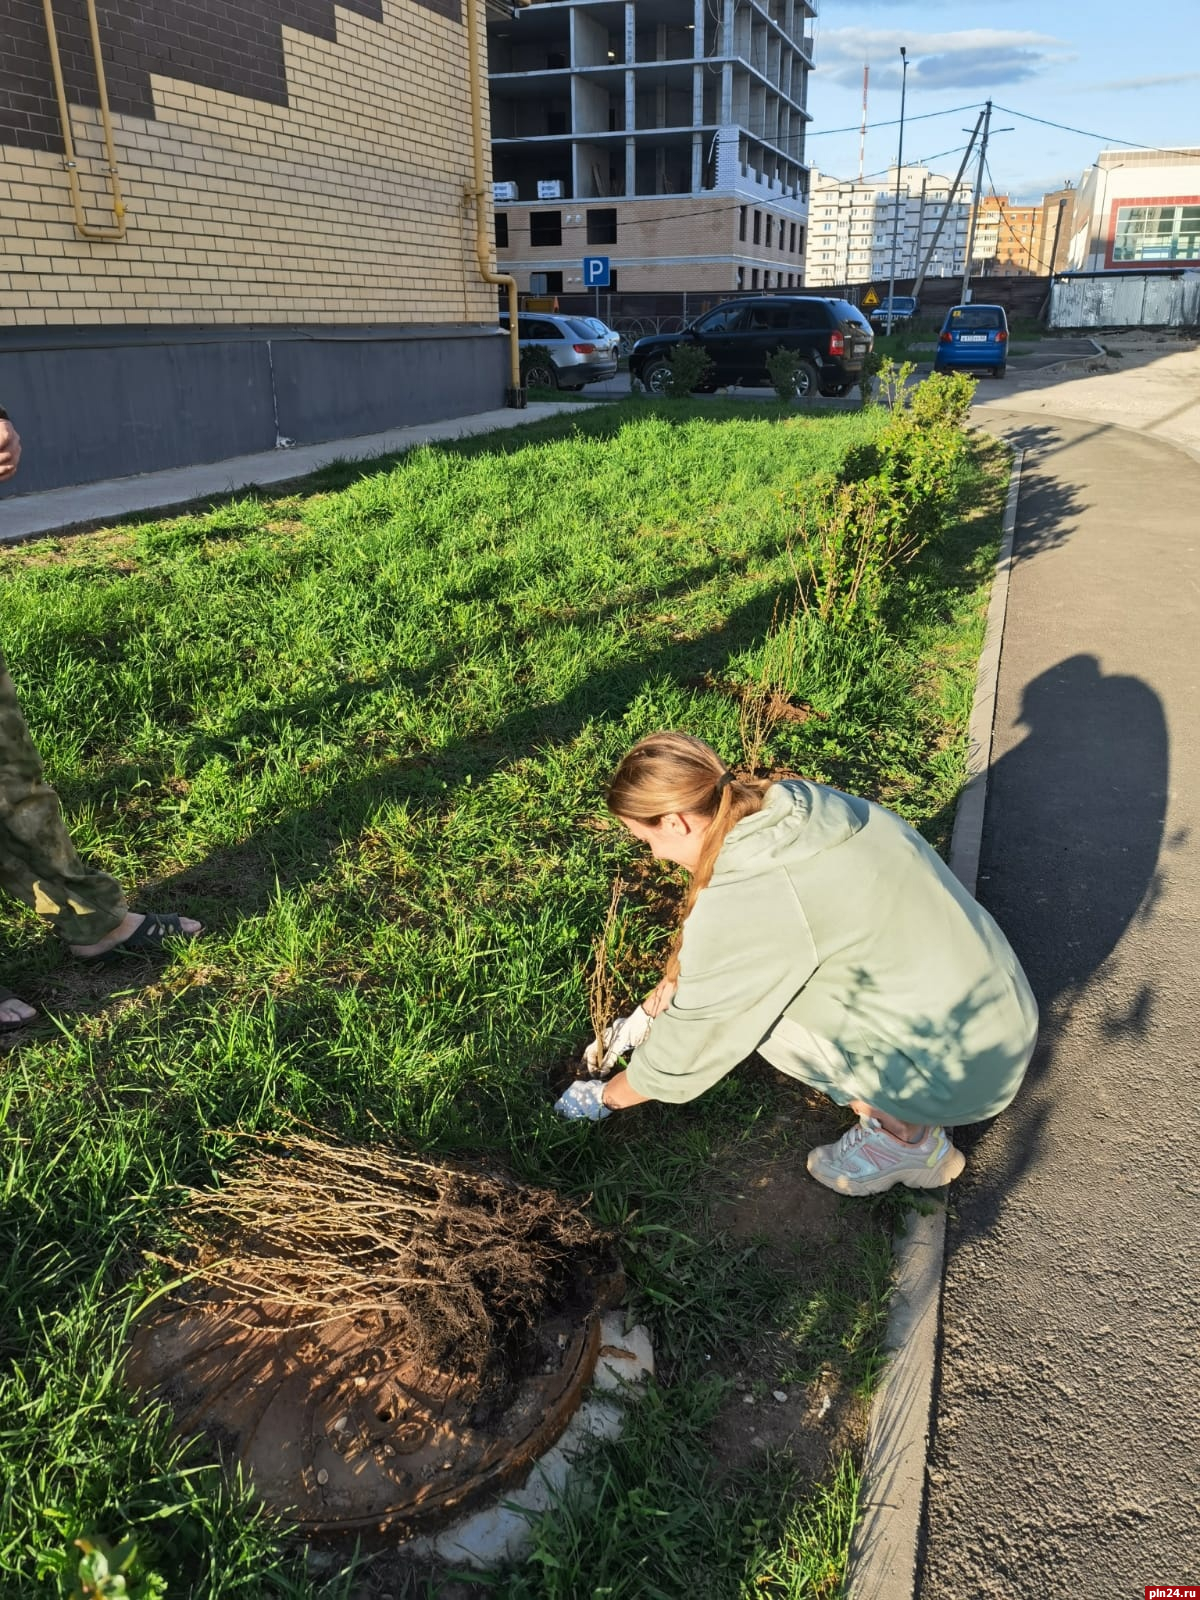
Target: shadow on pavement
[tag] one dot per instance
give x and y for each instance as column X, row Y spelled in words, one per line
column 1088, row 784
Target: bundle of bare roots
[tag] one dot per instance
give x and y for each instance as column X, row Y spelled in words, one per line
column 455, row 1265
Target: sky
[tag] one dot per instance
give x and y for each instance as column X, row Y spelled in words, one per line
column 1123, row 72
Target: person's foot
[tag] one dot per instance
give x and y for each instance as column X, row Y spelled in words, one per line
column 14, row 1013
column 867, row 1160
column 141, row 933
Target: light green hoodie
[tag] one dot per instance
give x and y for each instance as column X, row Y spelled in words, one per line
column 827, row 915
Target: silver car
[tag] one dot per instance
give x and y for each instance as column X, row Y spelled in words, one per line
column 578, row 354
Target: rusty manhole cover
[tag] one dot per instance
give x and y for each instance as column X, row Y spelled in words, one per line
column 380, row 1343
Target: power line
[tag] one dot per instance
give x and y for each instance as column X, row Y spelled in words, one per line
column 1065, row 127
column 954, row 111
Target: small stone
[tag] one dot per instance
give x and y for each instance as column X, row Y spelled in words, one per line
column 562, row 1341
column 747, row 1399
column 446, row 1465
column 322, row 1477
column 779, row 1395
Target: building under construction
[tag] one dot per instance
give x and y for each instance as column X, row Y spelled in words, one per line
column 667, row 136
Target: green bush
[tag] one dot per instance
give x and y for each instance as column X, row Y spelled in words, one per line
column 782, row 367
column 891, row 498
column 690, row 367
column 535, row 358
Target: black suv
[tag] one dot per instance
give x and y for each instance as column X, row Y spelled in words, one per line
column 738, row 336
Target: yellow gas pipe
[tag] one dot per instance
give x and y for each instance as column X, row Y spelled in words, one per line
column 516, row 393
column 82, row 226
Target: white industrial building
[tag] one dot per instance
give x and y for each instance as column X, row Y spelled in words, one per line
column 1137, row 208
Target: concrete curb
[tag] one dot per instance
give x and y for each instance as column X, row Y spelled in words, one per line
column 884, row 1550
column 93, row 505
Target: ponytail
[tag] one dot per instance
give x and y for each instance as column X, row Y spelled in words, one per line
column 677, row 772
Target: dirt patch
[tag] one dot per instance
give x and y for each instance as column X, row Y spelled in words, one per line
column 801, row 1230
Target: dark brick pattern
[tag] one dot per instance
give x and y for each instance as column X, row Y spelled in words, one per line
column 230, row 45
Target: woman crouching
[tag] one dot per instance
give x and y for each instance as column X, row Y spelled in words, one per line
column 822, row 932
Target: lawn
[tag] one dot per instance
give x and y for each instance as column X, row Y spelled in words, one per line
column 362, row 732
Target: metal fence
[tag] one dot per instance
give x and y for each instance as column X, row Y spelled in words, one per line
column 1126, row 300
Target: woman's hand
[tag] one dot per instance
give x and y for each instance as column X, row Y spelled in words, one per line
column 626, row 1033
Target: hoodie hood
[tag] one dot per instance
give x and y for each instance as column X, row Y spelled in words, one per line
column 798, row 820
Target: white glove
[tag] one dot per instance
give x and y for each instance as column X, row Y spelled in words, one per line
column 626, row 1033
column 583, row 1101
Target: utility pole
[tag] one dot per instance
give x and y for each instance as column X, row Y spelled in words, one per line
column 1062, row 206
column 962, row 167
column 916, row 250
column 966, row 282
column 899, row 175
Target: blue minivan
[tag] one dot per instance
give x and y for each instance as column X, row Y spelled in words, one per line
column 973, row 336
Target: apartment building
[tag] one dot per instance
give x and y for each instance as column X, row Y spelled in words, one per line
column 1005, row 238
column 852, row 221
column 666, row 135
column 278, row 246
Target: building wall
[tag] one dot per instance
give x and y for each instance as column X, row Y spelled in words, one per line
column 289, row 164
column 310, row 173
column 1005, row 238
column 1161, row 178
column 674, row 243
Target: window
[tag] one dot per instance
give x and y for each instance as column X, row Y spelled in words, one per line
column 545, row 283
column 741, row 271
column 742, row 223
column 777, row 316
column 807, row 314
column 727, row 320
column 556, row 122
column 792, row 245
column 602, row 227
column 770, row 229
column 758, row 227
column 766, row 280
column 502, row 230
column 1157, row 233
column 539, row 328
column 545, row 229
column 754, row 274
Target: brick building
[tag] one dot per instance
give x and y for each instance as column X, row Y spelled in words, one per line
column 1005, row 238
column 667, row 135
column 295, row 253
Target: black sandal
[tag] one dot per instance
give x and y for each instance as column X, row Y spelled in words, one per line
column 148, row 939
column 22, row 1022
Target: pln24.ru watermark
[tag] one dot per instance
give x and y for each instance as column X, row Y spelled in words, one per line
column 1172, row 1591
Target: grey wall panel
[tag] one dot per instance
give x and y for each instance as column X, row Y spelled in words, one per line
column 338, row 386
column 109, row 403
column 109, row 412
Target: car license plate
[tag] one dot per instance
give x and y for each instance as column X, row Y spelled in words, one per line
column 973, row 338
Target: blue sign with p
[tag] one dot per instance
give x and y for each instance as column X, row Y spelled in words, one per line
column 595, row 272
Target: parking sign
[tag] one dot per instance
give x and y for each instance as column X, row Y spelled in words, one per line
column 595, row 272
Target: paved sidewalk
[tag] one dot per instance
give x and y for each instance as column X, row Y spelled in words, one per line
column 1064, row 1459
column 92, row 504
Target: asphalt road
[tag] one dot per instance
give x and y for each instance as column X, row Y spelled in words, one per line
column 1065, row 1454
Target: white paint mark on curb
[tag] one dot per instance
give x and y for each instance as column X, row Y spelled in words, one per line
column 883, row 1553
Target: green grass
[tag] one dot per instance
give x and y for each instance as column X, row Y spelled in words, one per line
column 362, row 731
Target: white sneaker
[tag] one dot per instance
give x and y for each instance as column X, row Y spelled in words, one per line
column 868, row 1160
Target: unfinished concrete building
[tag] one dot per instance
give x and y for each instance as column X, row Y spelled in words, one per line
column 665, row 134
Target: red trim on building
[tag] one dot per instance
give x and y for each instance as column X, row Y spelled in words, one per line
column 1110, row 236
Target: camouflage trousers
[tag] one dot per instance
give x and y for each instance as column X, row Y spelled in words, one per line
column 38, row 863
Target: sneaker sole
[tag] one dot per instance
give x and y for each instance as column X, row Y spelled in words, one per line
column 947, row 1169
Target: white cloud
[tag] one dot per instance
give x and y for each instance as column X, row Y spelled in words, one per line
column 972, row 58
column 1119, row 85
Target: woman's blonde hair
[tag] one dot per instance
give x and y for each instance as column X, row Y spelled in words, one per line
column 676, row 772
